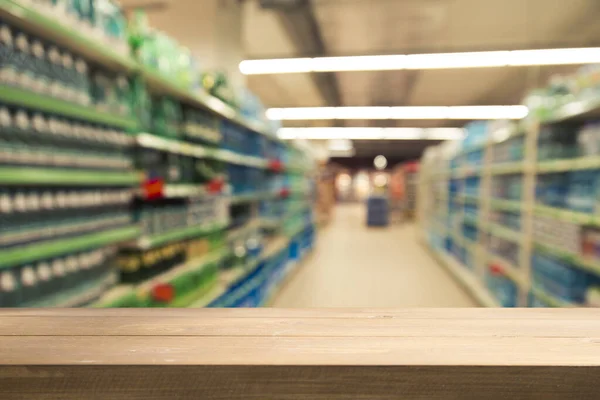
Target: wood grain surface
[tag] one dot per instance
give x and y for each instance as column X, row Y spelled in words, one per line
column 299, row 354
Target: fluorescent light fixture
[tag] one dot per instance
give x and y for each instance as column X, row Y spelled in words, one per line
column 340, row 145
column 371, row 133
column 459, row 112
column 568, row 56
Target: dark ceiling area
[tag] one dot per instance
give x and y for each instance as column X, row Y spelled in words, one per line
column 397, row 149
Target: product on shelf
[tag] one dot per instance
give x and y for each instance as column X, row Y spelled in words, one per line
column 505, row 248
column 79, row 119
column 200, row 126
column 57, row 280
column 35, row 64
column 502, row 288
column 30, row 137
column 508, row 187
column 476, row 134
column 508, row 219
column 510, row 150
column 561, row 279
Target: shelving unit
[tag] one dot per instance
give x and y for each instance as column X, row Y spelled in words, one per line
column 271, row 220
column 444, row 196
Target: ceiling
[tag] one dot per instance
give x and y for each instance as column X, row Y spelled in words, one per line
column 362, row 27
column 359, row 27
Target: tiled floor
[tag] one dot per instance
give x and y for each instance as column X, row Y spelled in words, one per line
column 356, row 266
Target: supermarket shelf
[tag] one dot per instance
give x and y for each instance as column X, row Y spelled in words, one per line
column 286, row 277
column 148, row 242
column 66, row 177
column 473, row 148
column 467, row 198
column 465, row 172
column 507, row 168
column 470, row 245
column 515, row 130
column 567, row 215
column 471, row 220
column 122, row 293
column 574, row 259
column 26, row 98
column 201, row 99
column 549, row 299
column 251, row 226
column 32, row 252
column 510, row 271
column 574, row 164
column 575, row 110
column 177, row 190
column 80, row 295
column 229, row 278
column 240, row 159
column 251, row 197
column 32, row 19
column 274, row 247
column 504, row 232
column 151, row 141
column 28, row 17
column 465, row 278
column 506, row 205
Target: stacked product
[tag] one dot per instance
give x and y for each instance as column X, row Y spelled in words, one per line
column 561, row 279
column 476, row 135
column 66, row 168
column 102, row 20
column 35, row 64
column 508, row 219
column 504, row 248
column 507, row 187
column 377, row 211
column 509, row 150
column 558, row 234
column 71, row 101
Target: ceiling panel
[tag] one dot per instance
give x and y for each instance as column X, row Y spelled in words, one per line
column 375, row 26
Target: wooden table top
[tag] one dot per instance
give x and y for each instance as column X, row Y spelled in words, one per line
column 476, row 337
column 316, row 354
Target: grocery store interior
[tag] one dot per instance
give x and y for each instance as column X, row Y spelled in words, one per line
column 299, row 153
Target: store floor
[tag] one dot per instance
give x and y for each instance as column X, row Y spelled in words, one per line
column 356, row 266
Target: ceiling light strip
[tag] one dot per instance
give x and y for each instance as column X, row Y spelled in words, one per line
column 371, row 133
column 482, row 59
column 458, row 112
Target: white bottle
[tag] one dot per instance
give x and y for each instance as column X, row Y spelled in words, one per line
column 20, row 202
column 28, row 278
column 6, row 204
column 47, row 201
column 8, row 286
column 44, row 272
column 58, row 268
column 61, row 200
column 24, row 79
column 40, row 84
column 33, row 202
column 7, row 71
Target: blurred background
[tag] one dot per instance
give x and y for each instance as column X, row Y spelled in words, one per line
column 299, row 153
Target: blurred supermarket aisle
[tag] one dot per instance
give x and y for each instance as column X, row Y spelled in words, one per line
column 356, row 266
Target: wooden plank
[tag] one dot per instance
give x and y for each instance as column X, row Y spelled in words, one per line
column 297, row 383
column 210, row 325
column 299, row 350
column 364, row 354
column 370, row 313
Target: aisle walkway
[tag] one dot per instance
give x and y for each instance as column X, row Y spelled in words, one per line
column 356, row 266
